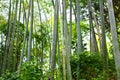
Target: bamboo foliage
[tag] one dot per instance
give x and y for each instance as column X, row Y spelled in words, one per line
column 57, row 39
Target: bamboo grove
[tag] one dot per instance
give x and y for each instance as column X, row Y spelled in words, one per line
column 59, row 40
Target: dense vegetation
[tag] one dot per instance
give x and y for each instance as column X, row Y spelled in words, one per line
column 59, row 40
column 90, row 69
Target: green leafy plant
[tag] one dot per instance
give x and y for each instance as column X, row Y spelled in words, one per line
column 91, row 66
column 29, row 71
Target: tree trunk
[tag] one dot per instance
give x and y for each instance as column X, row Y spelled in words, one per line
column 7, row 41
column 97, row 26
column 12, row 39
column 63, row 48
column 17, row 40
column 66, row 42
column 70, row 31
column 103, row 42
column 114, row 37
column 93, row 42
column 79, row 36
column 31, row 31
column 54, row 41
column 25, row 34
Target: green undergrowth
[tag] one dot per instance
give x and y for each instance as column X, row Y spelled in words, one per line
column 90, row 68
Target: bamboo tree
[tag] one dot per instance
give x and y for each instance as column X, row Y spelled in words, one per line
column 66, row 42
column 17, row 40
column 54, row 41
column 79, row 36
column 93, row 42
column 97, row 26
column 7, row 40
column 70, row 31
column 26, row 19
column 31, row 31
column 13, row 37
column 63, row 48
column 103, row 42
column 114, row 37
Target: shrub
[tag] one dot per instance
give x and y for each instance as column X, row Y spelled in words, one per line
column 29, row 71
column 91, row 66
